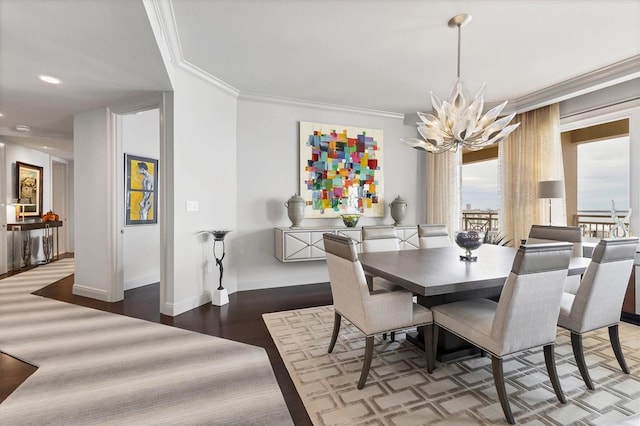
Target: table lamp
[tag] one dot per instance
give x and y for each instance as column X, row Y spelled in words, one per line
column 550, row 189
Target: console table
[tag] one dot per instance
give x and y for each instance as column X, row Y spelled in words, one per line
column 16, row 235
column 305, row 244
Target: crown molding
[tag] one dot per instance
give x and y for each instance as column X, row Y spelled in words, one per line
column 257, row 97
column 601, row 78
column 166, row 23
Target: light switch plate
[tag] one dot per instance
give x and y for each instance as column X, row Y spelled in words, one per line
column 192, row 206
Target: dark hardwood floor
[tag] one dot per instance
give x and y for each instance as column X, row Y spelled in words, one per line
column 240, row 320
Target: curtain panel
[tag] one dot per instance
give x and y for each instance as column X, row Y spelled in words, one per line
column 532, row 153
column 443, row 189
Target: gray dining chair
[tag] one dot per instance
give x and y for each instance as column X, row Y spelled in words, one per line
column 540, row 234
column 380, row 238
column 371, row 312
column 433, row 236
column 524, row 318
column 598, row 301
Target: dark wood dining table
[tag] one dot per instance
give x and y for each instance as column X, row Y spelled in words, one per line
column 438, row 276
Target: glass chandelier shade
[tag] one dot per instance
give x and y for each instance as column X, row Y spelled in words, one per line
column 459, row 122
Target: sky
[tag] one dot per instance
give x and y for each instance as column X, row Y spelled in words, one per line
column 603, row 170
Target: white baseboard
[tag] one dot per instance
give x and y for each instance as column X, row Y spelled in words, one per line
column 298, row 280
column 93, row 293
column 173, row 309
column 139, row 282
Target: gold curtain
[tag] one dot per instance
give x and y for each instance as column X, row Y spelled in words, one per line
column 532, row 153
column 443, row 189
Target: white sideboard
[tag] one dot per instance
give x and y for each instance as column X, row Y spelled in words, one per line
column 305, row 244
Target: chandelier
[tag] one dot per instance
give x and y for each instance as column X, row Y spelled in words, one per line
column 457, row 123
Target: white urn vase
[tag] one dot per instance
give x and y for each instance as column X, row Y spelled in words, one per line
column 295, row 209
column 398, row 210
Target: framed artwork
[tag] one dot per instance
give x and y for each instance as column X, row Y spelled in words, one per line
column 341, row 170
column 141, row 191
column 29, row 189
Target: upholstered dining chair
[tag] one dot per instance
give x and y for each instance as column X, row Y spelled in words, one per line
column 371, row 312
column 524, row 318
column 598, row 301
column 539, row 234
column 380, row 238
column 433, row 236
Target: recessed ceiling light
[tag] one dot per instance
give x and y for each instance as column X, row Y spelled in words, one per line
column 49, row 79
column 1, row 114
column 23, row 128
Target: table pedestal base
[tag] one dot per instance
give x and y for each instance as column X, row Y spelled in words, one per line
column 450, row 346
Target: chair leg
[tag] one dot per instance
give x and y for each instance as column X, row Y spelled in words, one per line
column 336, row 328
column 384, row 336
column 614, row 337
column 550, row 361
column 578, row 354
column 498, row 378
column 368, row 355
column 428, row 347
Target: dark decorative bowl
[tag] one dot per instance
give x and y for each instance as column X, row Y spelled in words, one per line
column 351, row 220
column 469, row 240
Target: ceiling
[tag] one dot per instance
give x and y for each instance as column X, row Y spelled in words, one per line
column 384, row 55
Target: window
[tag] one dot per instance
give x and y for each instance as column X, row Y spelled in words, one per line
column 480, row 185
column 603, row 175
column 480, row 195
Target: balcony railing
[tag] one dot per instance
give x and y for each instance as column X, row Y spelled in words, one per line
column 486, row 220
column 596, row 224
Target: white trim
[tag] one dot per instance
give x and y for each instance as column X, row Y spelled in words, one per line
column 610, row 75
column 256, row 97
column 599, row 116
column 173, row 309
column 139, row 282
column 292, row 281
column 169, row 29
column 93, row 293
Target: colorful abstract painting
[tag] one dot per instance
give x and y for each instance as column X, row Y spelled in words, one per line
column 340, row 170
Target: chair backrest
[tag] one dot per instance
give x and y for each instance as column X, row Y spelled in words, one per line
column 433, row 236
column 379, row 238
column 539, row 234
column 348, row 283
column 598, row 301
column 529, row 305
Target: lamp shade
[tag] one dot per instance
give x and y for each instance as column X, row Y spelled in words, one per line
column 550, row 189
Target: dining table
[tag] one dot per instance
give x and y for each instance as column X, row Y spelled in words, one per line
column 439, row 275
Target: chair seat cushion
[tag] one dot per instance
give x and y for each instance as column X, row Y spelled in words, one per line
column 571, row 284
column 470, row 319
column 565, row 310
column 421, row 315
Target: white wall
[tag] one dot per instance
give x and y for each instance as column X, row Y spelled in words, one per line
column 141, row 244
column 94, row 207
column 204, row 170
column 268, row 174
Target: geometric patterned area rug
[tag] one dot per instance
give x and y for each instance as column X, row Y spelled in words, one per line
column 399, row 391
column 99, row 368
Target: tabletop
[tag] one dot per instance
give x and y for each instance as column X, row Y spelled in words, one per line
column 430, row 272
